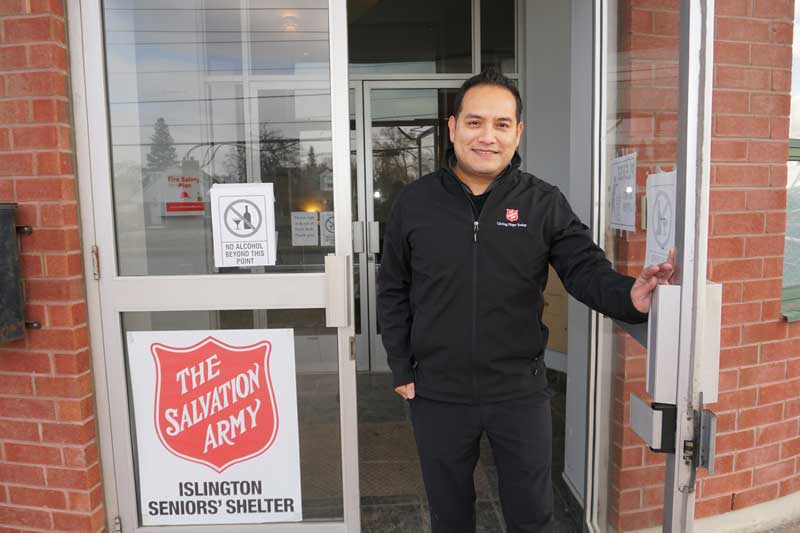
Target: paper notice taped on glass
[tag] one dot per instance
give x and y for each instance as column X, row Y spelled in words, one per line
column 305, row 228
column 243, row 224
column 623, row 192
column 327, row 229
column 661, row 188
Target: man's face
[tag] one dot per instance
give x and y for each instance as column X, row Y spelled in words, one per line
column 486, row 132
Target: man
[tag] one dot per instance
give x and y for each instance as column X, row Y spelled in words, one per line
column 464, row 265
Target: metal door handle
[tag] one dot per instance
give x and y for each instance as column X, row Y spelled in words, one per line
column 374, row 235
column 337, row 306
column 358, row 237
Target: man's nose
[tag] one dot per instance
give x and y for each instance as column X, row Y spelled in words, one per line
column 486, row 135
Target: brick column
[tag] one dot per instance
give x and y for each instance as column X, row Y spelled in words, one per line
column 49, row 467
column 758, row 370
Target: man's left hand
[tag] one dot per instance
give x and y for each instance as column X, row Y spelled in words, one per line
column 645, row 284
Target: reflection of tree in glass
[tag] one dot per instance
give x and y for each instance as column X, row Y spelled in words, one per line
column 397, row 160
column 235, row 163
column 312, row 170
column 276, row 153
column 311, row 162
column 162, row 148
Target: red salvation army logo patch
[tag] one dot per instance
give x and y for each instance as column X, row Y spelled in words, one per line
column 215, row 403
column 512, row 215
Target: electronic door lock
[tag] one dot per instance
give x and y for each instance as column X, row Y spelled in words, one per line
column 701, row 451
column 655, row 423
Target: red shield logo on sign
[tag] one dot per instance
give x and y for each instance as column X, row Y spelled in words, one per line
column 512, row 215
column 215, row 404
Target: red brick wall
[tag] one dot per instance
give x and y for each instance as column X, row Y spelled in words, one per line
column 758, row 444
column 49, row 466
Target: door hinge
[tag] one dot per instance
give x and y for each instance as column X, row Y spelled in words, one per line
column 352, row 348
column 117, row 524
column 95, row 262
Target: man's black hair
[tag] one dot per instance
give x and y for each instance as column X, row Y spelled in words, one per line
column 493, row 77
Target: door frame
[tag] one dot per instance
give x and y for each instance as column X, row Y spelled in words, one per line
column 109, row 294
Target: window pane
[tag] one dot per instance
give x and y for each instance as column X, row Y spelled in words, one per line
column 294, row 153
column 288, row 37
column 409, row 139
column 183, row 118
column 498, row 33
column 791, row 258
column 409, row 36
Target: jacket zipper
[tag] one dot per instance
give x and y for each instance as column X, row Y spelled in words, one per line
column 475, row 227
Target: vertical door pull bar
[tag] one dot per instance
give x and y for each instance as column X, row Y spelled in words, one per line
column 374, row 237
column 337, row 308
column 358, row 237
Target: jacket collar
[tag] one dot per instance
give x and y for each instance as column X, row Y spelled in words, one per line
column 449, row 167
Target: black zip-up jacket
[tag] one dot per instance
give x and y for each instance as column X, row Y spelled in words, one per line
column 460, row 293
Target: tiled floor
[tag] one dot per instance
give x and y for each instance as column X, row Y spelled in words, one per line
column 393, row 496
column 392, row 492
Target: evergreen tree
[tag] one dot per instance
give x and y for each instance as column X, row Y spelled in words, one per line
column 162, row 150
column 312, row 158
column 311, row 163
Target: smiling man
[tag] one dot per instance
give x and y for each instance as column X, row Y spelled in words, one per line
column 464, row 267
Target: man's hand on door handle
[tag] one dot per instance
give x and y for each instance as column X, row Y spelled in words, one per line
column 649, row 279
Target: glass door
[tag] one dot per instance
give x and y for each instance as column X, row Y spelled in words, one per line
column 221, row 203
column 404, row 126
column 406, row 137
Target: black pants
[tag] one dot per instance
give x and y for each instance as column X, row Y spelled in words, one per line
column 448, row 440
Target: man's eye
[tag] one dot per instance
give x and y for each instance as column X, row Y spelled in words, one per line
column 504, row 125
column 472, row 123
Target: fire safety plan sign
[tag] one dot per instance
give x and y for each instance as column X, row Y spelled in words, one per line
column 243, row 224
column 216, row 426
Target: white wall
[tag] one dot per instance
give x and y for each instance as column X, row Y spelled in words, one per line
column 581, row 199
column 557, row 45
column 547, row 80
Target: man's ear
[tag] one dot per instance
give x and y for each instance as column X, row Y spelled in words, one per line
column 520, row 128
column 451, row 125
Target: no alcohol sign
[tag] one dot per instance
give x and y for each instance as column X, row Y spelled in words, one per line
column 243, row 220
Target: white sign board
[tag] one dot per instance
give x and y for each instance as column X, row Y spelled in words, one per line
column 327, row 229
column 661, row 190
column 623, row 192
column 209, row 444
column 305, row 228
column 243, row 224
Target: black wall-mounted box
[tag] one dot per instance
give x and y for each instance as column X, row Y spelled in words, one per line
column 12, row 321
